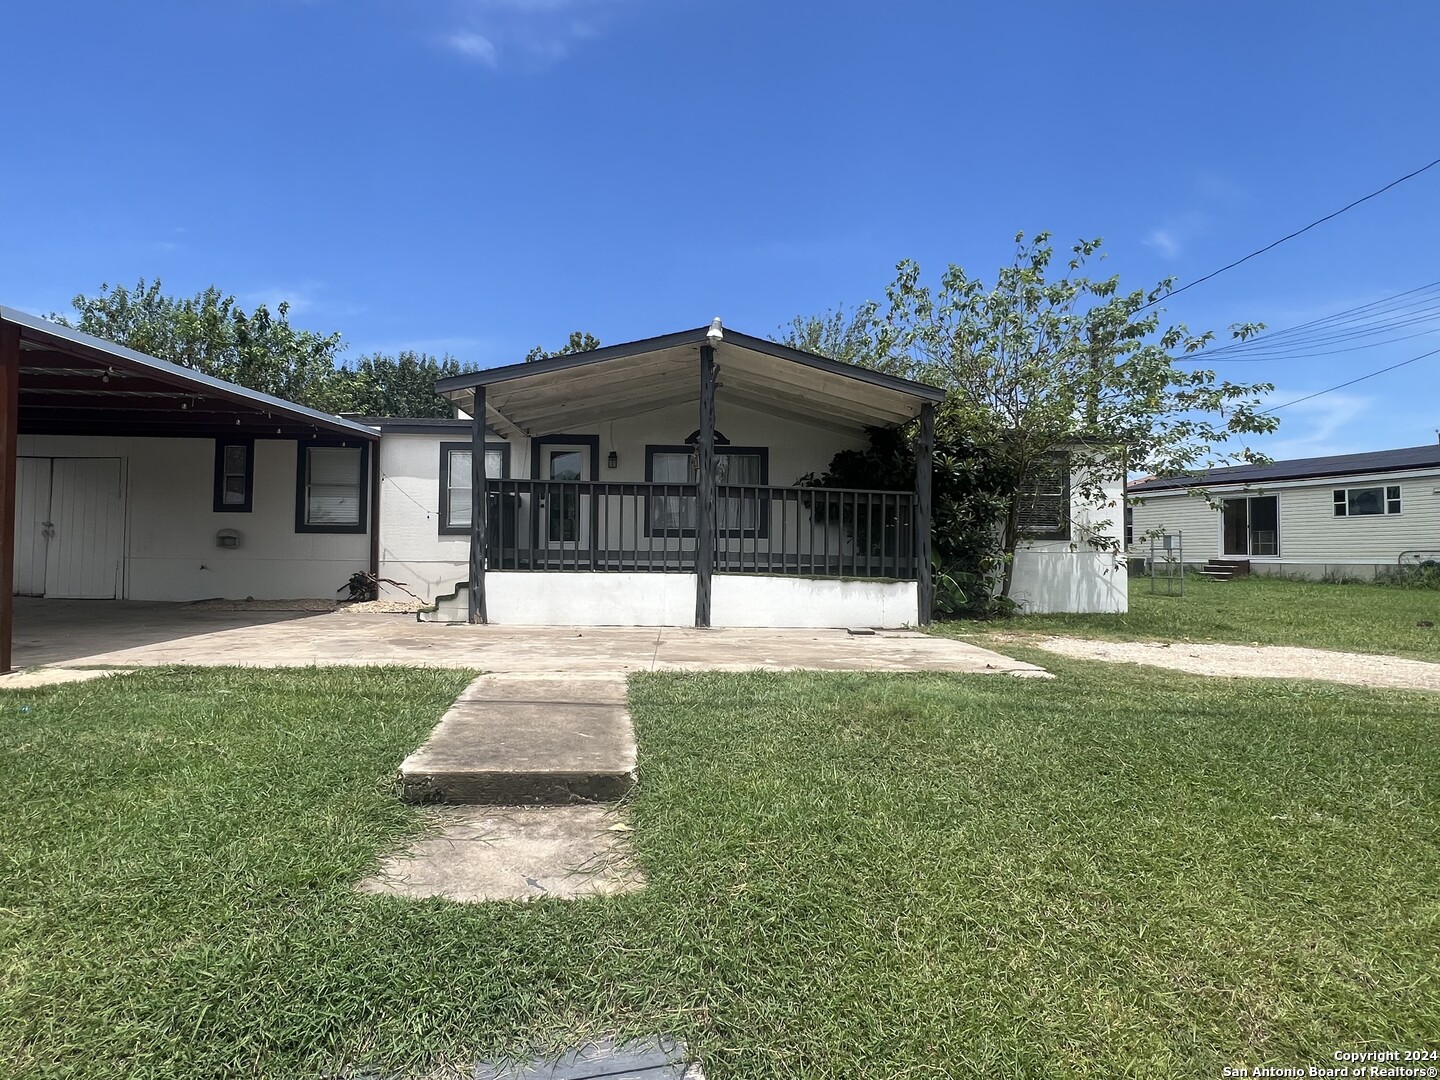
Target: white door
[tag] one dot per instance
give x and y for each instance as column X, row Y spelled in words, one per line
column 32, row 524
column 565, row 519
column 87, row 516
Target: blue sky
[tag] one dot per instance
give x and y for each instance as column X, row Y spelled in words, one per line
column 479, row 176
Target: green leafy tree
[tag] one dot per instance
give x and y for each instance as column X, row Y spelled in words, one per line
column 404, row 385
column 1041, row 362
column 211, row 333
column 580, row 341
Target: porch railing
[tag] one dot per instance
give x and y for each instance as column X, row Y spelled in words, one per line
column 598, row 527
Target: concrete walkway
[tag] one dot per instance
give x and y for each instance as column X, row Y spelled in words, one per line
column 131, row 634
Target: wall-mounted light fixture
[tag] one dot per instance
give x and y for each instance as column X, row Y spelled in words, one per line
column 613, row 461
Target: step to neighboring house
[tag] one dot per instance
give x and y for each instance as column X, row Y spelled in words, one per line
column 1225, row 569
column 518, row 740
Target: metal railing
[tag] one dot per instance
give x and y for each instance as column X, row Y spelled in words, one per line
column 563, row 525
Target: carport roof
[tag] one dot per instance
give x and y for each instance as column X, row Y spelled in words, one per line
column 564, row 392
column 75, row 384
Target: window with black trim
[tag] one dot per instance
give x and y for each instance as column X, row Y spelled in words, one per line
column 330, row 490
column 234, row 475
column 1367, row 501
column 736, row 513
column 1045, row 499
column 455, row 504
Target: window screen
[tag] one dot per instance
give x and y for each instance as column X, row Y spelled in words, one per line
column 457, row 502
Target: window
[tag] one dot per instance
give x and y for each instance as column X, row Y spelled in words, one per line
column 330, row 492
column 1045, row 500
column 455, row 501
column 1367, row 501
column 736, row 513
column 234, row 471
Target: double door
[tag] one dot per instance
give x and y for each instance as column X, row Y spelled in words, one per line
column 69, row 527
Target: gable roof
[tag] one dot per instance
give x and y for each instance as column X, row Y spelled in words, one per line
column 564, row 392
column 1375, row 461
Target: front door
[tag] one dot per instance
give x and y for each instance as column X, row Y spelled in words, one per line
column 565, row 519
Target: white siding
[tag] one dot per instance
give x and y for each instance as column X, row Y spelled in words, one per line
column 1190, row 515
column 170, row 523
column 1312, row 539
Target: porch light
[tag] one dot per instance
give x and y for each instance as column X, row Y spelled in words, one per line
column 716, row 333
column 613, row 461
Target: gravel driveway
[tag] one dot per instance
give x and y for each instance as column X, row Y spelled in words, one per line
column 1255, row 661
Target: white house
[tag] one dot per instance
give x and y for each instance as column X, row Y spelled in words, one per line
column 651, row 483
column 1351, row 514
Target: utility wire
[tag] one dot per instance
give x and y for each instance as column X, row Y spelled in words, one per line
column 1352, row 382
column 1291, row 236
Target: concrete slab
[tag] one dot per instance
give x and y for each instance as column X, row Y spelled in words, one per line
column 125, row 633
column 656, row 1058
column 52, row 676
column 518, row 741
column 486, row 853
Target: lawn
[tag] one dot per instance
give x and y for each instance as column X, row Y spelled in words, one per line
column 1122, row 872
column 1262, row 610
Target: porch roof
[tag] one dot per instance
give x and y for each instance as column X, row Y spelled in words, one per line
column 566, row 392
column 75, row 384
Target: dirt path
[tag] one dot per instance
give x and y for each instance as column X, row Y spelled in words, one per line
column 1254, row 661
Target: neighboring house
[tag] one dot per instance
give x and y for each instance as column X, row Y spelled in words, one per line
column 133, row 478
column 1352, row 514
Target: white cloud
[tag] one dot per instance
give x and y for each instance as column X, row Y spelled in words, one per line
column 474, row 45
column 1330, row 424
column 1164, row 241
column 537, row 32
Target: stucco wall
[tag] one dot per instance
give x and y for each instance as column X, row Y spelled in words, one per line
column 170, row 523
column 1078, row 574
column 763, row 600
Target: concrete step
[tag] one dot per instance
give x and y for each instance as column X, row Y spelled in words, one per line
column 1217, row 575
column 520, row 740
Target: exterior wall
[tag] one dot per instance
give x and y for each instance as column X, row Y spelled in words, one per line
column 170, row 523
column 1313, row 541
column 1079, row 574
column 413, row 551
column 577, row 599
column 1190, row 515
column 759, row 600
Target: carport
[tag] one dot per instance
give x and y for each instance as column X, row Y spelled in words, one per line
column 55, row 381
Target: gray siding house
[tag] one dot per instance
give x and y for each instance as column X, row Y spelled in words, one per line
column 1351, row 514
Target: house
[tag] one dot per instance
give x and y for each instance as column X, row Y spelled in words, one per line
column 649, row 483
column 1350, row 514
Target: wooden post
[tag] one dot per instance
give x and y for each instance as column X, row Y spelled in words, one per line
column 479, row 510
column 924, row 457
column 705, row 496
column 9, row 424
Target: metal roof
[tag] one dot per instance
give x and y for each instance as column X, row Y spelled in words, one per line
column 71, row 382
column 564, row 392
column 1375, row 461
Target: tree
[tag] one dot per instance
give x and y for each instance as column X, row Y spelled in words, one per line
column 579, row 342
column 1039, row 363
column 404, row 385
column 211, row 333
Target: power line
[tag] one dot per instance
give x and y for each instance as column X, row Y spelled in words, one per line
column 1291, row 236
column 1352, row 382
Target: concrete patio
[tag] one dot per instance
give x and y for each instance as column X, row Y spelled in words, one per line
column 118, row 634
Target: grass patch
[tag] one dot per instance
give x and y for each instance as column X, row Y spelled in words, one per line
column 1362, row 618
column 1118, row 873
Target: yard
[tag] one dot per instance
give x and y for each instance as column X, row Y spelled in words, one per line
column 1258, row 610
column 1121, row 872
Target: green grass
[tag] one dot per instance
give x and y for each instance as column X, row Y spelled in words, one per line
column 1120, row 873
column 1262, row 610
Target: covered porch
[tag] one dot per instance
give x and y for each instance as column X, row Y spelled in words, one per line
column 704, row 536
